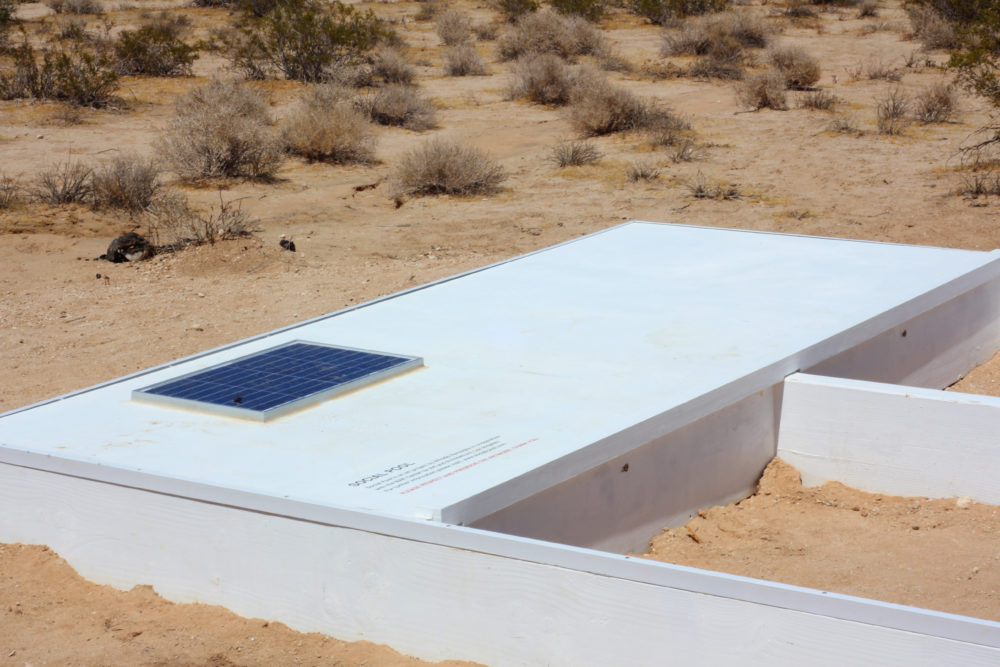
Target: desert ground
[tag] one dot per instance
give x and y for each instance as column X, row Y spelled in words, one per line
column 69, row 320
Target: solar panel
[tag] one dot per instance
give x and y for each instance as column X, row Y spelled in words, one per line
column 273, row 382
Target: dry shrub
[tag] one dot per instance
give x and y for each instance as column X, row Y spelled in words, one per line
column 454, row 28
column 399, row 105
column 876, row 70
column 446, row 167
column 980, row 185
column 799, row 68
column 686, row 150
column 75, row 6
column 324, row 132
column 154, row 49
column 463, row 60
column 936, row 103
column 724, row 61
column 74, row 76
column 390, row 66
column 173, row 224
column 574, row 154
column 542, row 78
column 641, row 171
column 704, row 35
column 665, row 12
column 763, row 90
column 701, row 188
column 486, row 31
column 427, row 11
column 930, row 28
column 868, row 9
column 222, row 129
column 548, row 32
column 890, row 112
column 822, row 100
column 10, row 191
column 602, row 108
column 128, row 182
column 845, row 125
column 63, row 183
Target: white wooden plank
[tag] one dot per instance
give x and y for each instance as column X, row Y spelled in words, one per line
column 892, row 439
column 498, row 608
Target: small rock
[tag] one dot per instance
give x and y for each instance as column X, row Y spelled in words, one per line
column 963, row 503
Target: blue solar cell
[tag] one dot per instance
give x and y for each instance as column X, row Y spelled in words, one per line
column 265, row 384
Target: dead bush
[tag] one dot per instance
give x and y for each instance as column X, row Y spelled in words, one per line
column 391, row 66
column 701, row 188
column 641, row 171
column 454, row 28
column 10, row 191
column 324, row 132
column 173, row 224
column 222, row 129
column 441, row 166
column 548, row 32
column 980, row 185
column 398, row 105
column 822, row 100
column 63, row 183
column 799, row 68
column 487, row 31
column 890, row 112
column 75, row 6
column 686, row 150
column 724, row 61
column 602, row 108
column 930, row 28
column 463, row 60
column 703, row 35
column 543, row 78
column 936, row 103
column 128, row 183
column 574, row 154
column 763, row 90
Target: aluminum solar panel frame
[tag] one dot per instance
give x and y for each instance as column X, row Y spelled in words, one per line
column 276, row 381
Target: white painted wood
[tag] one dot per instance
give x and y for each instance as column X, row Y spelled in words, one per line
column 621, row 505
column 552, row 365
column 934, row 349
column 497, row 599
column 884, row 438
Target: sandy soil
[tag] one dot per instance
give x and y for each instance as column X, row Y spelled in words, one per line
column 939, row 554
column 63, row 328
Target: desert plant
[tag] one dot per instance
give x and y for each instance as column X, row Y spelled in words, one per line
column 844, row 125
column 686, row 150
column 890, row 112
column 514, row 9
column 441, row 166
column 390, row 66
column 868, row 9
column 454, row 28
column 877, row 69
column 222, row 129
column 930, row 28
column 548, row 32
column 798, row 9
column 10, row 191
column 174, row 225
column 799, row 68
column 487, row 31
column 463, row 60
column 128, row 182
column 155, row 50
column 81, row 78
column 666, row 129
column 543, row 78
column 574, row 154
column 701, row 188
column 75, row 6
column 63, row 183
column 602, row 108
column 303, row 39
column 664, row 12
column 980, row 185
column 703, row 35
column 641, row 171
column 823, row 100
column 336, row 133
column 936, row 103
column 724, row 61
column 762, row 90
column 398, row 105
column 591, row 10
